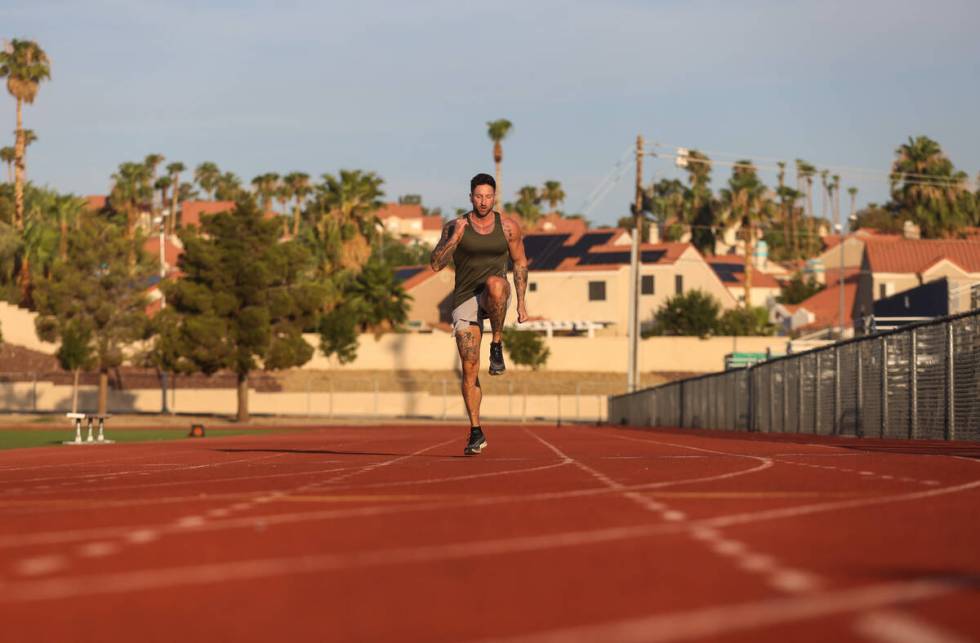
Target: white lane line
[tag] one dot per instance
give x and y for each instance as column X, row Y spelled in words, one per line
column 37, row 565
column 891, row 626
column 794, row 581
column 142, row 536
column 712, row 623
column 728, row 547
column 97, row 549
column 190, row 521
column 675, row 516
column 757, row 563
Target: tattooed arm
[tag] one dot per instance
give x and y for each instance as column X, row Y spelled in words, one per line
column 452, row 234
column 515, row 243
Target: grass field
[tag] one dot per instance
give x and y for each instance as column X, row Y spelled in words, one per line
column 26, row 438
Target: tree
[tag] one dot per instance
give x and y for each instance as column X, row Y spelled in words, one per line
column 928, row 190
column 95, row 293
column 299, row 187
column 667, row 202
column 25, row 66
column 346, row 223
column 701, row 202
column 338, row 334
column 207, row 175
column 752, row 321
column 527, row 205
column 174, row 170
column 553, row 193
column 497, row 131
column 692, row 313
column 228, row 187
column 746, row 204
column 244, row 301
column 7, row 156
column 75, row 354
column 266, row 185
column 378, row 302
column 131, row 193
column 526, row 348
column 798, row 290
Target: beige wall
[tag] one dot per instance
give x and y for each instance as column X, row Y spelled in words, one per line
column 759, row 296
column 427, row 296
column 437, row 351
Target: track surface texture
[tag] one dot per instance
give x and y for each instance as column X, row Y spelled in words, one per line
column 576, row 533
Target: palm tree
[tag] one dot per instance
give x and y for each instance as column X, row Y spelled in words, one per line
column 207, row 175
column 927, row 188
column 152, row 162
column 528, row 199
column 700, row 201
column 746, row 204
column 497, row 131
column 174, row 170
column 347, row 224
column 853, row 192
column 163, row 185
column 553, row 193
column 265, row 188
column 804, row 180
column 7, row 156
column 299, row 187
column 228, row 187
column 25, row 65
column 130, row 193
column 69, row 209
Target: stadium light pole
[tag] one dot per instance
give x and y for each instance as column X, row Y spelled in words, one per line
column 632, row 383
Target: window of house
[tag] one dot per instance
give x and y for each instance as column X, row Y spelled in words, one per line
column 679, row 284
column 646, row 285
column 533, row 287
column 597, row 291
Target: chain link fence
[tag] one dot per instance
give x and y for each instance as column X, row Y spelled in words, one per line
column 918, row 382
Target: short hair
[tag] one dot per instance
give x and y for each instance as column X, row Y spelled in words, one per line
column 482, row 179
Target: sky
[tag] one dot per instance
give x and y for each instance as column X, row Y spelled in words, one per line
column 405, row 89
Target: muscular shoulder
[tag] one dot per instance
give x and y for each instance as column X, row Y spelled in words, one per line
column 512, row 227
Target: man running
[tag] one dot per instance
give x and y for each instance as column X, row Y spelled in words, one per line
column 480, row 244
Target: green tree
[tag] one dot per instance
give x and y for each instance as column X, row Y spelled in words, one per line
column 207, row 175
column 8, row 155
column 745, row 203
column 701, row 203
column 229, row 187
column 95, row 293
column 798, row 290
column 174, row 170
column 75, row 354
column 26, row 66
column 553, row 193
column 243, row 302
column 497, row 131
column 298, row 184
column 528, row 205
column 131, row 194
column 266, row 185
column 928, row 190
column 346, row 222
column 752, row 321
column 875, row 217
column 378, row 301
column 692, row 313
column 526, row 348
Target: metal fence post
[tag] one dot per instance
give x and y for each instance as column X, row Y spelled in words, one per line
column 816, row 396
column 681, row 411
column 884, row 386
column 772, row 396
column 859, row 370
column 784, row 422
column 950, row 433
column 913, row 387
column 836, row 424
column 34, row 392
column 751, row 399
column 799, row 394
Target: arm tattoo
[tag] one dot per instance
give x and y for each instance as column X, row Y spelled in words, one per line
column 444, row 249
column 520, row 281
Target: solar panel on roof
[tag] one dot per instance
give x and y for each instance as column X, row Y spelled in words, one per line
column 404, row 274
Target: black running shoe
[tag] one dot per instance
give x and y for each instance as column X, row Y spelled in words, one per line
column 477, row 442
column 497, row 365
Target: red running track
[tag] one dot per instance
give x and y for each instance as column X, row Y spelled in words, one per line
column 553, row 534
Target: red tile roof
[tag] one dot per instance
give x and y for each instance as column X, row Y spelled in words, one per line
column 918, row 255
column 432, row 222
column 825, row 305
column 171, row 251
column 96, row 201
column 400, row 210
column 554, row 222
column 191, row 211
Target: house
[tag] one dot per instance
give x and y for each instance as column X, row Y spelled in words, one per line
column 821, row 312
column 731, row 271
column 554, row 222
column 933, row 299
column 824, row 267
column 889, row 268
column 408, row 222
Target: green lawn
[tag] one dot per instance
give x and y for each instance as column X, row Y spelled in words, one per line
column 24, row 438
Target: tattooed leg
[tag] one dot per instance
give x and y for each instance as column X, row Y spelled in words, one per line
column 468, row 343
column 493, row 299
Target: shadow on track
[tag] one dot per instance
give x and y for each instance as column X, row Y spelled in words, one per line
column 329, row 452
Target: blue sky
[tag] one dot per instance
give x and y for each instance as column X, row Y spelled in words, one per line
column 405, row 88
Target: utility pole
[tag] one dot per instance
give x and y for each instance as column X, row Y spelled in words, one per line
column 633, row 380
column 840, row 273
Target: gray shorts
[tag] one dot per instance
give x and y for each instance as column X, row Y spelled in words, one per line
column 470, row 312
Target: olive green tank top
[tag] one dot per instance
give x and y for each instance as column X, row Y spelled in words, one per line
column 477, row 257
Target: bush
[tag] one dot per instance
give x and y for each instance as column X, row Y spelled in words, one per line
column 691, row 313
column 525, row 348
column 745, row 321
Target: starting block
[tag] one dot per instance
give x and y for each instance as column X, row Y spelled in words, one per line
column 90, row 419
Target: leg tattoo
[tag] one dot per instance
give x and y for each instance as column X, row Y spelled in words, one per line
column 468, row 343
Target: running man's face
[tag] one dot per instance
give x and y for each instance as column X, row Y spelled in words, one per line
column 482, row 199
